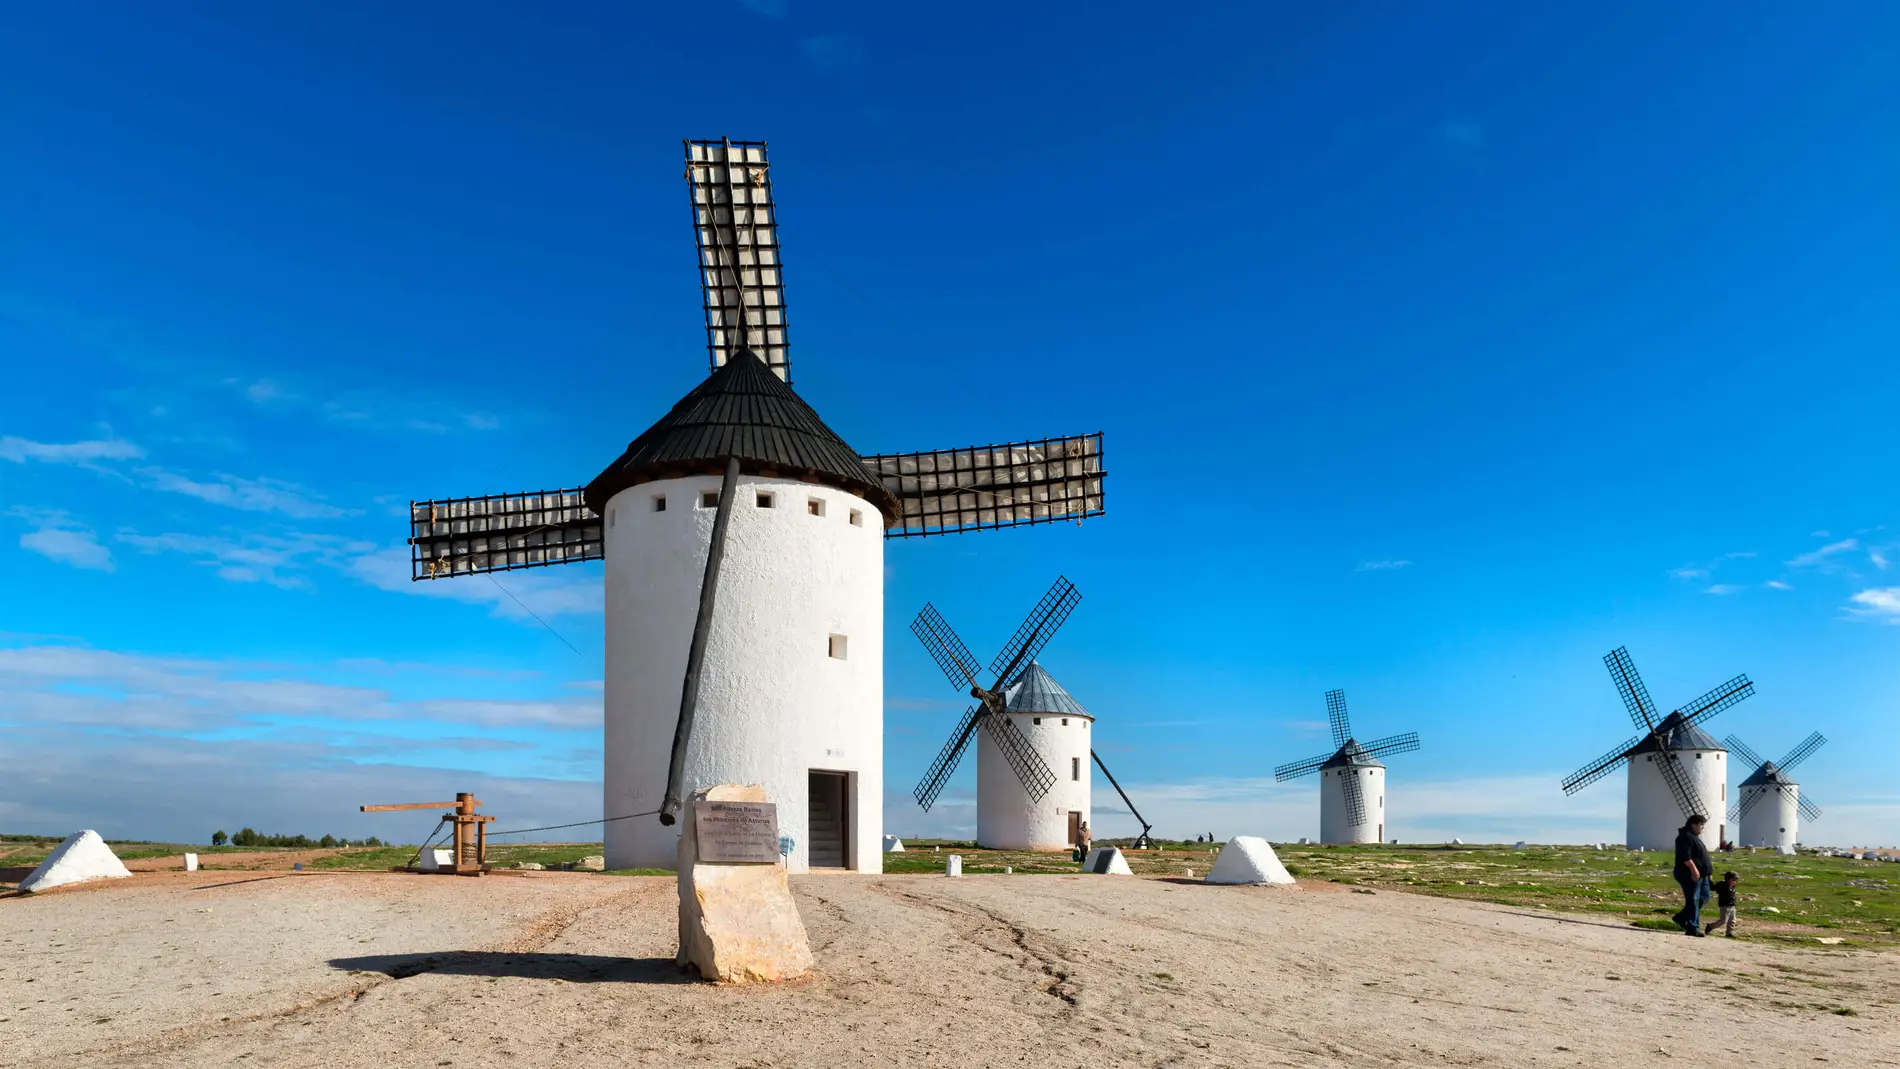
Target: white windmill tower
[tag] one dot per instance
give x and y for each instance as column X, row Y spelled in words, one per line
column 1032, row 763
column 1352, row 778
column 742, row 476
column 1770, row 805
column 1675, row 768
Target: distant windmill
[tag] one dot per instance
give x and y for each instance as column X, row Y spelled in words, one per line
column 742, row 474
column 1352, row 779
column 1032, row 765
column 1683, row 770
column 1769, row 806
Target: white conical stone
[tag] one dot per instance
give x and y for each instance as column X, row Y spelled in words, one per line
column 1107, row 861
column 1248, row 859
column 83, row 856
column 893, row 845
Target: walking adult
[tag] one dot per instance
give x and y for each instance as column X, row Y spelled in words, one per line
column 1692, row 874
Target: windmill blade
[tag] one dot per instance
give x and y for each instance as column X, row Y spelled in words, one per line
column 1684, row 791
column 1804, row 751
column 1735, row 810
column 1336, row 717
column 1037, row 629
column 1296, row 769
column 735, row 225
column 1600, row 767
column 501, row 532
column 1355, row 798
column 938, row 776
column 1034, row 772
column 1630, row 685
column 1746, row 805
column 959, row 665
column 1392, row 744
column 1740, row 749
column 1809, row 811
column 1011, row 484
column 1735, row 690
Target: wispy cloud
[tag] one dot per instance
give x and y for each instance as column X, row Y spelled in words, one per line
column 832, row 53
column 1776, row 584
column 1824, row 555
column 363, row 409
column 1878, row 603
column 85, row 454
column 1382, row 565
column 277, row 559
column 1306, row 727
column 559, row 591
column 1688, row 573
column 57, row 536
column 1878, row 558
column 1725, row 588
column 251, row 495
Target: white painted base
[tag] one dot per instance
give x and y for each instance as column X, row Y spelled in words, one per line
column 1107, row 861
column 1248, row 859
column 1774, row 820
column 1006, row 818
column 1335, row 820
column 1654, row 814
column 81, row 857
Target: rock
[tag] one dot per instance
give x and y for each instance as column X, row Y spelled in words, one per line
column 1107, row 861
column 738, row 923
column 953, row 865
column 82, row 856
column 1519, row 846
column 1769, row 909
column 1248, row 859
column 530, row 866
column 1830, row 940
column 1455, row 841
column 591, row 863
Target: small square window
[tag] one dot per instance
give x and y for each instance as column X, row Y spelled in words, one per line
column 659, row 502
column 709, row 499
column 765, row 500
column 1065, row 721
column 815, row 506
column 837, row 646
column 857, row 518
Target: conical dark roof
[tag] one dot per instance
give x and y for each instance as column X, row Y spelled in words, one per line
column 1680, row 736
column 1352, row 755
column 742, row 410
column 1036, row 691
column 1768, row 775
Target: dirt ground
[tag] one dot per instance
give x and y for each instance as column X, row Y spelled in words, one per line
column 346, row 970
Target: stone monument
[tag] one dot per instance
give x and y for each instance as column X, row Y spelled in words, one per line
column 738, row 923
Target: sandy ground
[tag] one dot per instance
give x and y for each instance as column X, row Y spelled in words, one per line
column 380, row 970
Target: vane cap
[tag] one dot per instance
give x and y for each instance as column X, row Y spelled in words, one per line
column 1036, row 691
column 1769, row 776
column 1353, row 755
column 741, row 410
column 1678, row 736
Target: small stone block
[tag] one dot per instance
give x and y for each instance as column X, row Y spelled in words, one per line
column 191, row 862
column 738, row 923
column 953, row 865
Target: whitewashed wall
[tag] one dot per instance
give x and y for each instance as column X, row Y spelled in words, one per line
column 1005, row 817
column 1654, row 814
column 1774, row 821
column 1335, row 820
column 773, row 703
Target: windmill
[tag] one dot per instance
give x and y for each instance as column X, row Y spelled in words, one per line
column 1769, row 805
column 1352, row 778
column 1683, row 770
column 743, row 475
column 1033, row 785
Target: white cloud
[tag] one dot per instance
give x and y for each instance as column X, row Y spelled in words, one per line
column 1383, row 565
column 1878, row 558
column 57, row 536
column 1879, row 603
column 1688, row 573
column 1725, row 588
column 251, row 495
column 256, row 558
column 555, row 591
column 1776, row 584
column 84, row 454
column 1820, row 556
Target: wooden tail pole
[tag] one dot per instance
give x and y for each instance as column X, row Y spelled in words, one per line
column 696, row 657
column 470, row 842
column 1143, row 839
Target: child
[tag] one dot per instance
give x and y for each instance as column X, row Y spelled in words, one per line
column 1725, row 897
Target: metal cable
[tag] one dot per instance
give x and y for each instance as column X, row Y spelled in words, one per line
column 576, row 824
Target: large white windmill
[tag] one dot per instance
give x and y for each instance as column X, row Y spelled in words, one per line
column 1675, row 768
column 782, row 683
column 1352, row 778
column 1035, row 740
column 1770, row 805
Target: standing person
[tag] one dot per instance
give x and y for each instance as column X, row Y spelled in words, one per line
column 1725, row 898
column 1083, row 841
column 1692, row 874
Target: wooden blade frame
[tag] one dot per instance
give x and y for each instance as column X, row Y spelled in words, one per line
column 1012, row 484
column 501, row 532
column 1336, row 717
column 735, row 225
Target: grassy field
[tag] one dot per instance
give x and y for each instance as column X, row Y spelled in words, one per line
column 1811, row 898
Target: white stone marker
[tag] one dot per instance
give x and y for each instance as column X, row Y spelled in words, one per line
column 1248, row 859
column 83, row 856
column 893, row 845
column 1107, row 861
column 738, row 923
column 191, row 862
column 953, row 865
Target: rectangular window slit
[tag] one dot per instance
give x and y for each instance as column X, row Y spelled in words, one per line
column 815, row 506
column 1075, row 768
column 765, row 500
column 837, row 646
column 659, row 502
column 857, row 518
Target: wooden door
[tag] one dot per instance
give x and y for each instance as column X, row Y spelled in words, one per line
column 1075, row 827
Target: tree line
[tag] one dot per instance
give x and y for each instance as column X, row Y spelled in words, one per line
column 250, row 837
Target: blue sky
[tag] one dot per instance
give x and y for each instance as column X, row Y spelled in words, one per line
column 1439, row 352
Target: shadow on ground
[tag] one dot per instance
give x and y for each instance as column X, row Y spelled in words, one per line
column 572, row 968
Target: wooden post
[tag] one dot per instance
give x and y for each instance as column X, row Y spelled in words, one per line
column 696, row 656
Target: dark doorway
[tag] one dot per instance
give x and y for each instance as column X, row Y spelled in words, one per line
column 829, row 823
column 1075, row 827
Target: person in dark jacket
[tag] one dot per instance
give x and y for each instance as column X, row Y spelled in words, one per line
column 1725, row 898
column 1692, row 874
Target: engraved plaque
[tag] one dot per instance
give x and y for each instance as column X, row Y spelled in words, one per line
column 737, row 832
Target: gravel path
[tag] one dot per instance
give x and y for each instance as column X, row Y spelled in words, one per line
column 375, row 970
